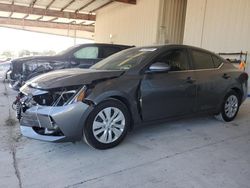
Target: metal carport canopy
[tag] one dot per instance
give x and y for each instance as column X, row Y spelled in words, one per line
column 75, row 18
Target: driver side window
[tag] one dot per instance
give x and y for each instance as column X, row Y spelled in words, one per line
column 177, row 59
column 87, row 53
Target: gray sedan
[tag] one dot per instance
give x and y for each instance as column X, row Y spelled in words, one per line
column 134, row 86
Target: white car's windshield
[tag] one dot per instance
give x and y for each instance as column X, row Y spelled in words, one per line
column 125, row 59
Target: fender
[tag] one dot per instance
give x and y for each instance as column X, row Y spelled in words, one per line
column 131, row 103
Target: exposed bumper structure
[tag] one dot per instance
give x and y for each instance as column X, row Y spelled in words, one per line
column 56, row 124
column 31, row 133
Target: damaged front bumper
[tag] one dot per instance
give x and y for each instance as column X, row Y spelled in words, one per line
column 52, row 116
column 56, row 124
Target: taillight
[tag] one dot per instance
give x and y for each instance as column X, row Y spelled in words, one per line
column 245, row 76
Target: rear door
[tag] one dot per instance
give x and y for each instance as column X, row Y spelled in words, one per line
column 209, row 79
column 172, row 93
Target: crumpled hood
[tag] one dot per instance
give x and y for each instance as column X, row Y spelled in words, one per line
column 70, row 77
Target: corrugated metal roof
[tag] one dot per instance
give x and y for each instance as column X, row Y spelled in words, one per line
column 78, row 14
column 54, row 5
column 59, row 4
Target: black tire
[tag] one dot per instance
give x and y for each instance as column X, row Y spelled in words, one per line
column 223, row 114
column 88, row 132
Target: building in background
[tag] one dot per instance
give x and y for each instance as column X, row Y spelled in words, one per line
column 218, row 25
column 146, row 23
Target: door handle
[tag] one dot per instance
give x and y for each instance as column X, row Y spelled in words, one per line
column 190, row 80
column 226, row 76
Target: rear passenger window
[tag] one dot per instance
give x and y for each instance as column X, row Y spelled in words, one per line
column 107, row 51
column 217, row 61
column 202, row 60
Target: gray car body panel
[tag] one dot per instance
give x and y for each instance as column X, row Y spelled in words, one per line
column 30, row 133
column 69, row 119
column 71, row 77
column 133, row 87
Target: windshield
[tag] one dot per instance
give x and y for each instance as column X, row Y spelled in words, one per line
column 68, row 50
column 125, row 59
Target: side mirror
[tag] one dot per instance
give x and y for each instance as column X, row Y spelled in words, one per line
column 159, row 67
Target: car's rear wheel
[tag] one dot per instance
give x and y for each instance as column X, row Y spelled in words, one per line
column 230, row 107
column 107, row 125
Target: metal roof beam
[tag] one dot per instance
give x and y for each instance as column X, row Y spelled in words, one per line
column 35, row 23
column 11, row 12
column 127, row 1
column 84, row 6
column 104, row 5
column 66, row 6
column 44, row 12
column 51, row 2
column 33, row 3
column 10, row 15
column 111, row 1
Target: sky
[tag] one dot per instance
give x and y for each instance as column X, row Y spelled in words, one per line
column 16, row 40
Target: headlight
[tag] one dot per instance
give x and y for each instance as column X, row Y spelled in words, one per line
column 79, row 96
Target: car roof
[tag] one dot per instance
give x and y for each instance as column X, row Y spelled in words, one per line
column 103, row 44
column 161, row 46
column 171, row 45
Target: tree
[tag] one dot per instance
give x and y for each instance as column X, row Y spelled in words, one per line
column 7, row 54
column 23, row 53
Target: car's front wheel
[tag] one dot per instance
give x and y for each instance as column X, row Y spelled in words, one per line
column 230, row 107
column 107, row 125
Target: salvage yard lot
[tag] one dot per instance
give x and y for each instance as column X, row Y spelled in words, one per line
column 194, row 152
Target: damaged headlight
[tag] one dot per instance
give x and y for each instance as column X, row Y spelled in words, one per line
column 56, row 97
column 79, row 96
column 69, row 97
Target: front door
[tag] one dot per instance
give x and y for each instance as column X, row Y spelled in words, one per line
column 172, row 93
